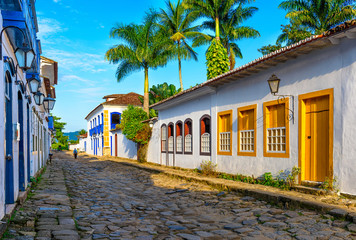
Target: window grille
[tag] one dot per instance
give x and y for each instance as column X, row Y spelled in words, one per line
column 170, row 144
column 225, row 141
column 205, row 143
column 164, row 138
column 247, row 140
column 188, row 143
column 179, row 144
column 276, row 140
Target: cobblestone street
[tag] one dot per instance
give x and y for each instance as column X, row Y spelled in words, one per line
column 108, row 200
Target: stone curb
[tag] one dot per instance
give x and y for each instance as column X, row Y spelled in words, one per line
column 21, row 200
column 271, row 197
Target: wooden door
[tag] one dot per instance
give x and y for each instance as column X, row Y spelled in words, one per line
column 115, row 145
column 316, row 159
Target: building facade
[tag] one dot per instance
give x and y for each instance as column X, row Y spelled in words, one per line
column 104, row 138
column 234, row 121
column 24, row 126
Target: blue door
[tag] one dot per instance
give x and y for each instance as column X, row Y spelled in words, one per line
column 28, row 145
column 21, row 144
column 9, row 164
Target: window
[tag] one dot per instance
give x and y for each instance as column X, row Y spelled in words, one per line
column 179, row 137
column 170, row 138
column 247, row 130
column 115, row 119
column 276, row 128
column 224, row 132
column 205, row 142
column 163, row 138
column 188, row 142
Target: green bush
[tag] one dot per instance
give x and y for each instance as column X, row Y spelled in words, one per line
column 217, row 60
column 208, row 168
column 132, row 126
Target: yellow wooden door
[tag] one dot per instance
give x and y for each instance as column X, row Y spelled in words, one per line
column 316, row 139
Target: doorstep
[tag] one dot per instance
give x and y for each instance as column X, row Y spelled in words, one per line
column 10, row 208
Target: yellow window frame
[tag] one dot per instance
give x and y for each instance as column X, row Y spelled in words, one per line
column 239, row 127
column 284, row 101
column 223, row 113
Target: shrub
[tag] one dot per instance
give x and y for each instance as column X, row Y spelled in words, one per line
column 208, row 168
column 132, row 126
column 217, row 60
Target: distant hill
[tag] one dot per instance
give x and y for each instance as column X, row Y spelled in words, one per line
column 72, row 135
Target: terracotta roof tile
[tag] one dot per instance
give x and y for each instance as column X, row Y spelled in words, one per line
column 124, row 99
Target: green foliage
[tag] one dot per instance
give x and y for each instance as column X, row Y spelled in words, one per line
column 208, row 168
column 132, row 126
column 284, row 180
column 293, row 33
column 59, row 139
column 269, row 49
column 319, row 16
column 330, row 184
column 162, row 91
column 217, row 60
column 81, row 132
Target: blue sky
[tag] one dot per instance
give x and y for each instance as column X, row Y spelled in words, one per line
column 76, row 34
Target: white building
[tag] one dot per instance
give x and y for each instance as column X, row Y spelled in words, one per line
column 234, row 120
column 24, row 125
column 104, row 138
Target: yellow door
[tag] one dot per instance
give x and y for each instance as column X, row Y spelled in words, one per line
column 316, row 138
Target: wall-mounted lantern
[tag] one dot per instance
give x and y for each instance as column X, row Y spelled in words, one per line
column 39, row 97
column 49, row 102
column 33, row 82
column 25, row 57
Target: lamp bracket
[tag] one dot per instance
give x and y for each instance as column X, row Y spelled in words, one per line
column 282, row 98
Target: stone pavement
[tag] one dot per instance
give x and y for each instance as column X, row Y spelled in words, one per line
column 110, row 200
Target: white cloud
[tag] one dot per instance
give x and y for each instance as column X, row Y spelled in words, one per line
column 48, row 29
column 73, row 61
column 75, row 79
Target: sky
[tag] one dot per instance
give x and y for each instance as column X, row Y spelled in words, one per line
column 75, row 33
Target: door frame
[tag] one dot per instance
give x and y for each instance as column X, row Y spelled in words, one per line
column 301, row 126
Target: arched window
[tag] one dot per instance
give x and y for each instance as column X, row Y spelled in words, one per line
column 115, row 119
column 188, row 138
column 164, row 138
column 179, row 137
column 170, row 137
column 205, row 139
column 98, row 119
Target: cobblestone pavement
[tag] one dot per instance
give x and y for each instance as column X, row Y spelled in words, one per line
column 109, row 200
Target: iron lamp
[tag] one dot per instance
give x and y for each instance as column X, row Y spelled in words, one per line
column 34, row 83
column 49, row 102
column 39, row 97
column 273, row 83
column 25, row 57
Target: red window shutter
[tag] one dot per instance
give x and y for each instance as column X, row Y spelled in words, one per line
column 186, row 129
column 202, row 127
column 178, row 129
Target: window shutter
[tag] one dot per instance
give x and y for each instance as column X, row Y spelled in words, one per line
column 202, row 127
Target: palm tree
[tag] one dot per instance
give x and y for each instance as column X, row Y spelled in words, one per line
column 177, row 22
column 231, row 31
column 213, row 9
column 319, row 15
column 144, row 48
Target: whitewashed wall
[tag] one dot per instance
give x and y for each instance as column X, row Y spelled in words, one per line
column 125, row 148
column 333, row 67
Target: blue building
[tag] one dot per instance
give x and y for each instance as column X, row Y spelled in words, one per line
column 26, row 97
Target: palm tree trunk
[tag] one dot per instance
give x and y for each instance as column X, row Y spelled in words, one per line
column 180, row 68
column 146, row 96
column 232, row 61
column 217, row 28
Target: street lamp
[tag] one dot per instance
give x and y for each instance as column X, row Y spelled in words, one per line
column 39, row 97
column 49, row 102
column 25, row 57
column 33, row 82
column 273, row 83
